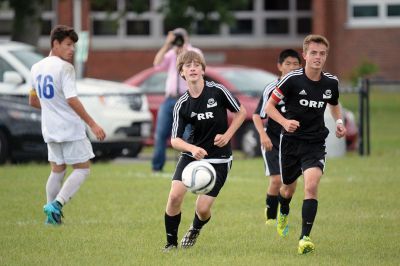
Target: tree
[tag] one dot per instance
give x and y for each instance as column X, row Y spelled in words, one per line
column 26, row 25
column 186, row 13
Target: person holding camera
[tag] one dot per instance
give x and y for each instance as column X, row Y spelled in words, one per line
column 177, row 41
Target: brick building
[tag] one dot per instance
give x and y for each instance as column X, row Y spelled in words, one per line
column 121, row 46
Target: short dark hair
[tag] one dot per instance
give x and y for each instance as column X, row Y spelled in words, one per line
column 60, row 32
column 288, row 53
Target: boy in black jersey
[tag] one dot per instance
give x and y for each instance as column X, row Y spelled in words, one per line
column 204, row 106
column 288, row 60
column 306, row 93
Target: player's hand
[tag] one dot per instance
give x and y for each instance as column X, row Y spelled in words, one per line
column 98, row 132
column 291, row 125
column 221, row 140
column 340, row 130
column 265, row 142
column 198, row 153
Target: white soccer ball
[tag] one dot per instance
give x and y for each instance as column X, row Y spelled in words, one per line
column 199, row 177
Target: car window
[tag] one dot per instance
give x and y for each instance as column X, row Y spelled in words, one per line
column 27, row 57
column 155, row 83
column 4, row 66
column 249, row 81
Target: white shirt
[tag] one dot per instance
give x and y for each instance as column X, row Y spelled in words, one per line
column 53, row 79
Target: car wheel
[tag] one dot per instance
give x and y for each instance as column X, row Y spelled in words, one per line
column 250, row 142
column 4, row 147
column 133, row 151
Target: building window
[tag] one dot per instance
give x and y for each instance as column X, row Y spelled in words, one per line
column 276, row 4
column 393, row 10
column 138, row 27
column 304, row 25
column 241, row 26
column 5, row 27
column 373, row 13
column 365, row 11
column 277, row 26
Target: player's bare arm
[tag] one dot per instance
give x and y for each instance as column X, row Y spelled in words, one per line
column 164, row 49
column 181, row 145
column 336, row 112
column 77, row 106
column 288, row 125
column 34, row 100
column 221, row 140
column 264, row 139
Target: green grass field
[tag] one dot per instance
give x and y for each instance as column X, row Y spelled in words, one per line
column 117, row 217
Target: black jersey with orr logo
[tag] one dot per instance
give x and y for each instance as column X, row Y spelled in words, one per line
column 306, row 100
column 208, row 117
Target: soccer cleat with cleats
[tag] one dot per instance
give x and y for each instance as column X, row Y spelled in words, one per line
column 189, row 239
column 53, row 212
column 305, row 245
column 282, row 226
column 170, row 247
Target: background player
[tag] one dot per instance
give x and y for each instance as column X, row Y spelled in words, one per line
column 54, row 91
column 204, row 106
column 288, row 60
column 306, row 92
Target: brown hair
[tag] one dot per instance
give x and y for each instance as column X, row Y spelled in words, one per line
column 314, row 38
column 60, row 32
column 188, row 57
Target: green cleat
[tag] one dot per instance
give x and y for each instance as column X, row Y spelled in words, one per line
column 282, row 225
column 305, row 245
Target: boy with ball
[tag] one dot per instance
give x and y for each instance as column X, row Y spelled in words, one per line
column 204, row 106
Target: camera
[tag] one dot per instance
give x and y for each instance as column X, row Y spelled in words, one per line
column 179, row 40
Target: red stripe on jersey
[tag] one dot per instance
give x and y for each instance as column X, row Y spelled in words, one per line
column 277, row 95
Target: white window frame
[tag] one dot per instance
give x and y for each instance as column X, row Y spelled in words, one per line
column 156, row 38
column 381, row 21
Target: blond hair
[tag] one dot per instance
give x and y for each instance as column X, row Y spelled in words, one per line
column 316, row 39
column 188, row 57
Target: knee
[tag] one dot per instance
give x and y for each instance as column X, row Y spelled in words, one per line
column 175, row 200
column 275, row 183
column 203, row 212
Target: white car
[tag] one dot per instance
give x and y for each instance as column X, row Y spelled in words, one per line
column 121, row 111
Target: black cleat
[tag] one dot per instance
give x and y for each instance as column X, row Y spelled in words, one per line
column 189, row 239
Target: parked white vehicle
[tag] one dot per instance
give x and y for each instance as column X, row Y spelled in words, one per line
column 123, row 112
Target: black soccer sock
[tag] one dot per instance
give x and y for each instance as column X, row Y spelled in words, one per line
column 272, row 206
column 309, row 211
column 171, row 227
column 197, row 223
column 284, row 204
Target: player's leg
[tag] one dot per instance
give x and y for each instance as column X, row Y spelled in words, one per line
column 52, row 208
column 162, row 133
column 202, row 216
column 313, row 164
column 290, row 171
column 271, row 200
column 309, row 210
column 203, row 205
column 172, row 216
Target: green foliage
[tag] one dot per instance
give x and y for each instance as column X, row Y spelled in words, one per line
column 186, row 13
column 364, row 69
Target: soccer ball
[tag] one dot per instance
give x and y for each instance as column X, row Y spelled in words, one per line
column 199, row 177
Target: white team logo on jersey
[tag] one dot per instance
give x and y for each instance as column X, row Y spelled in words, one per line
column 327, row 94
column 211, row 103
column 303, row 92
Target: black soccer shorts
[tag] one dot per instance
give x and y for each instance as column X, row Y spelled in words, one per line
column 297, row 155
column 271, row 158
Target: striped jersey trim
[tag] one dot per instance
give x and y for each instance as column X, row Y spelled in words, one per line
column 290, row 74
column 177, row 107
column 329, row 75
column 267, row 91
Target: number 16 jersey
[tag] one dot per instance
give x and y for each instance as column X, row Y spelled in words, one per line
column 53, row 79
